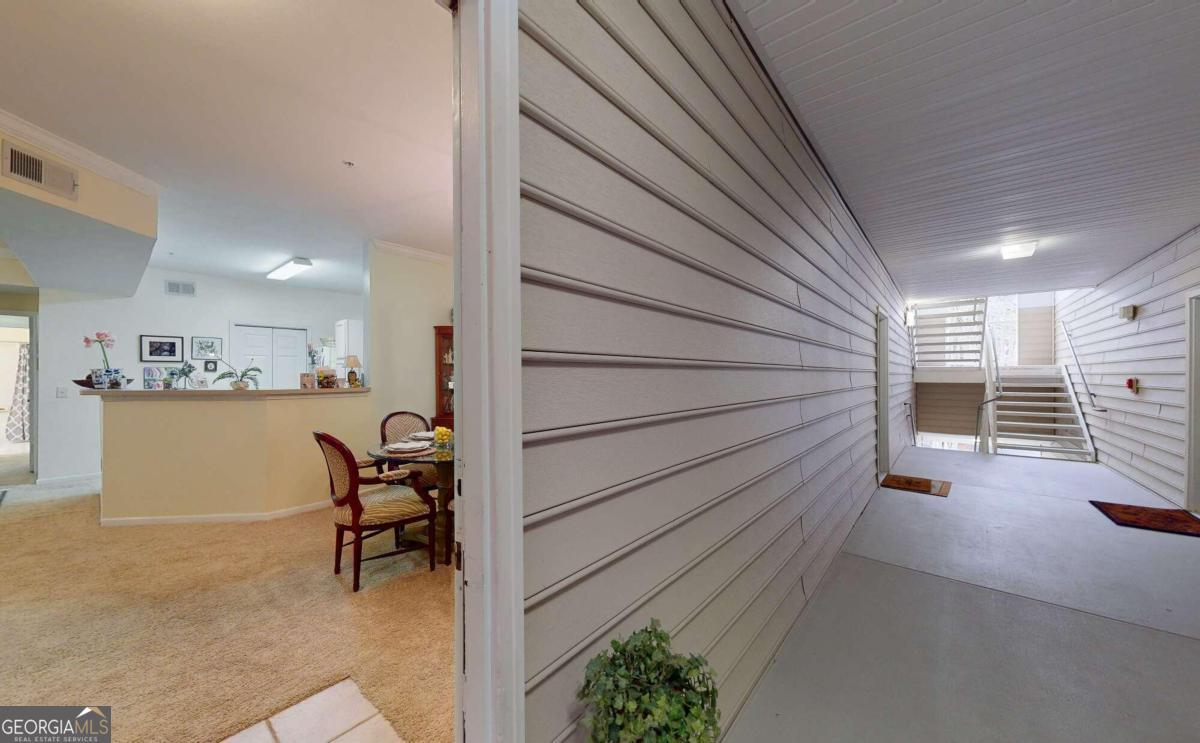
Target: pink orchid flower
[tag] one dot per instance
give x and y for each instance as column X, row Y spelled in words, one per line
column 87, row 342
column 108, row 343
column 101, row 335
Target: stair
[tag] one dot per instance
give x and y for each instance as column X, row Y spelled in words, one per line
column 1037, row 415
column 949, row 334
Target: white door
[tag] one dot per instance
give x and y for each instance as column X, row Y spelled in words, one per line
column 289, row 357
column 253, row 346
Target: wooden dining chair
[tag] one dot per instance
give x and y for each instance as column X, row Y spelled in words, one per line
column 399, row 426
column 405, row 501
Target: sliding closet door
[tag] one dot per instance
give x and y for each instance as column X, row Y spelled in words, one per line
column 289, row 357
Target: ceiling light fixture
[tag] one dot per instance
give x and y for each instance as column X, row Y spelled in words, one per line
column 1018, row 250
column 290, row 269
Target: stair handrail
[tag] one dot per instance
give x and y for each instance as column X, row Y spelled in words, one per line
column 979, row 423
column 1086, row 387
column 992, row 387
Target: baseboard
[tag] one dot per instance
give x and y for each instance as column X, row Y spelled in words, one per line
column 68, row 479
column 213, row 518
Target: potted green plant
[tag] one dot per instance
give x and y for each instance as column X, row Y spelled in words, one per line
column 639, row 690
column 242, row 380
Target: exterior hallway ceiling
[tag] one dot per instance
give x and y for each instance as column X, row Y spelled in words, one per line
column 953, row 127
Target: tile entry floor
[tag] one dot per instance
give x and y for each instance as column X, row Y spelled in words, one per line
column 1012, row 610
column 340, row 713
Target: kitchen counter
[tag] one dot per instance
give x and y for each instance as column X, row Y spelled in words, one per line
column 222, row 455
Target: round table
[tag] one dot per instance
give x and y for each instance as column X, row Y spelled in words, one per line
column 445, row 469
column 445, row 474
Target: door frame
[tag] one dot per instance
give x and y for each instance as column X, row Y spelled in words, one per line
column 489, row 612
column 883, row 392
column 1191, row 489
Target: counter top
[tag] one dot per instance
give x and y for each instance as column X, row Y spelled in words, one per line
column 152, row 395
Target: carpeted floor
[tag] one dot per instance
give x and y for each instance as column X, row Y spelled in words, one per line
column 194, row 632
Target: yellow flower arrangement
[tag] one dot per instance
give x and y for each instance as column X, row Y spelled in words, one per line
column 443, row 442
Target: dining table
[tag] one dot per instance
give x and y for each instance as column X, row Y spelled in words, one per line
column 445, row 474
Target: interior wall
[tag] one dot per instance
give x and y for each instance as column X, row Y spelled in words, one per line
column 69, row 426
column 410, row 292
column 699, row 349
column 1142, row 435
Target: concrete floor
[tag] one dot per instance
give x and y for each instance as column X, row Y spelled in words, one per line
column 1012, row 610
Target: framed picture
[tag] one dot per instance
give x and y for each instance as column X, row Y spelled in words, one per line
column 207, row 348
column 210, row 366
column 162, row 348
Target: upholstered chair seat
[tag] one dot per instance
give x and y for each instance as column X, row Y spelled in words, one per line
column 387, row 506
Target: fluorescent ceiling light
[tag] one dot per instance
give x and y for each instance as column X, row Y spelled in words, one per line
column 290, row 269
column 1017, row 250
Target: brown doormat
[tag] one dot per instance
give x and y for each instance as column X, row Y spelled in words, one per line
column 1170, row 520
column 917, row 484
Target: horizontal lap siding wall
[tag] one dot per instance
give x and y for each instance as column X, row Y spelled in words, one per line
column 699, row 349
column 944, row 407
column 1142, row 435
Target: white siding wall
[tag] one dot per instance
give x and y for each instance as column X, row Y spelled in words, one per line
column 699, row 349
column 1142, row 435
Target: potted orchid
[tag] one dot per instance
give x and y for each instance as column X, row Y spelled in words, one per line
column 241, row 380
column 108, row 377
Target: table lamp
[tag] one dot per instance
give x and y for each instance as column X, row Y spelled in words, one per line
column 353, row 378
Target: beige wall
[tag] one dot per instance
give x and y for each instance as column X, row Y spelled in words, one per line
column 699, row 334
column 1035, row 335
column 409, row 293
column 99, row 198
column 1141, row 435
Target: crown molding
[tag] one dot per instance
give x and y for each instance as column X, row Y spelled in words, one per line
column 52, row 143
column 410, row 252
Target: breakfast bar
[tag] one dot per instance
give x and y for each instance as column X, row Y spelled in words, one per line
column 221, row 455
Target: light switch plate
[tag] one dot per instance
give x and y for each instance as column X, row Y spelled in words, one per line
column 60, row 392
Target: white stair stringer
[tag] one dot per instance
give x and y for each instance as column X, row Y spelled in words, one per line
column 1037, row 414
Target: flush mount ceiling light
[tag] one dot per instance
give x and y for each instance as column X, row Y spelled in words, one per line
column 290, row 269
column 1018, row 250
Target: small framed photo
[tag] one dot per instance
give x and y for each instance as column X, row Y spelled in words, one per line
column 204, row 347
column 210, row 366
column 162, row 348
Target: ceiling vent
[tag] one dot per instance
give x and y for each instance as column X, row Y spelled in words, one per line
column 48, row 175
column 181, row 288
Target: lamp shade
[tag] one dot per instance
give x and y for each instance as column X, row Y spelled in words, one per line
column 352, row 362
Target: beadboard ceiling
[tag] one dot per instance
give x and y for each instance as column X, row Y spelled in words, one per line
column 952, row 127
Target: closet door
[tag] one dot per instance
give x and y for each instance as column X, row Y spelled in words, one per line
column 254, row 345
column 289, row 357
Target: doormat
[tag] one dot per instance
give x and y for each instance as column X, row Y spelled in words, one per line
column 917, row 484
column 1170, row 520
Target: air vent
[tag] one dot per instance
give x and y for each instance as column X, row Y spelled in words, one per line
column 48, row 175
column 181, row 288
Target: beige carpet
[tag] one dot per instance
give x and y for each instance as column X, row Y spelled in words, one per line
column 195, row 632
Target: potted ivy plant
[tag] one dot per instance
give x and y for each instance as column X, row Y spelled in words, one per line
column 639, row 690
column 242, row 380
